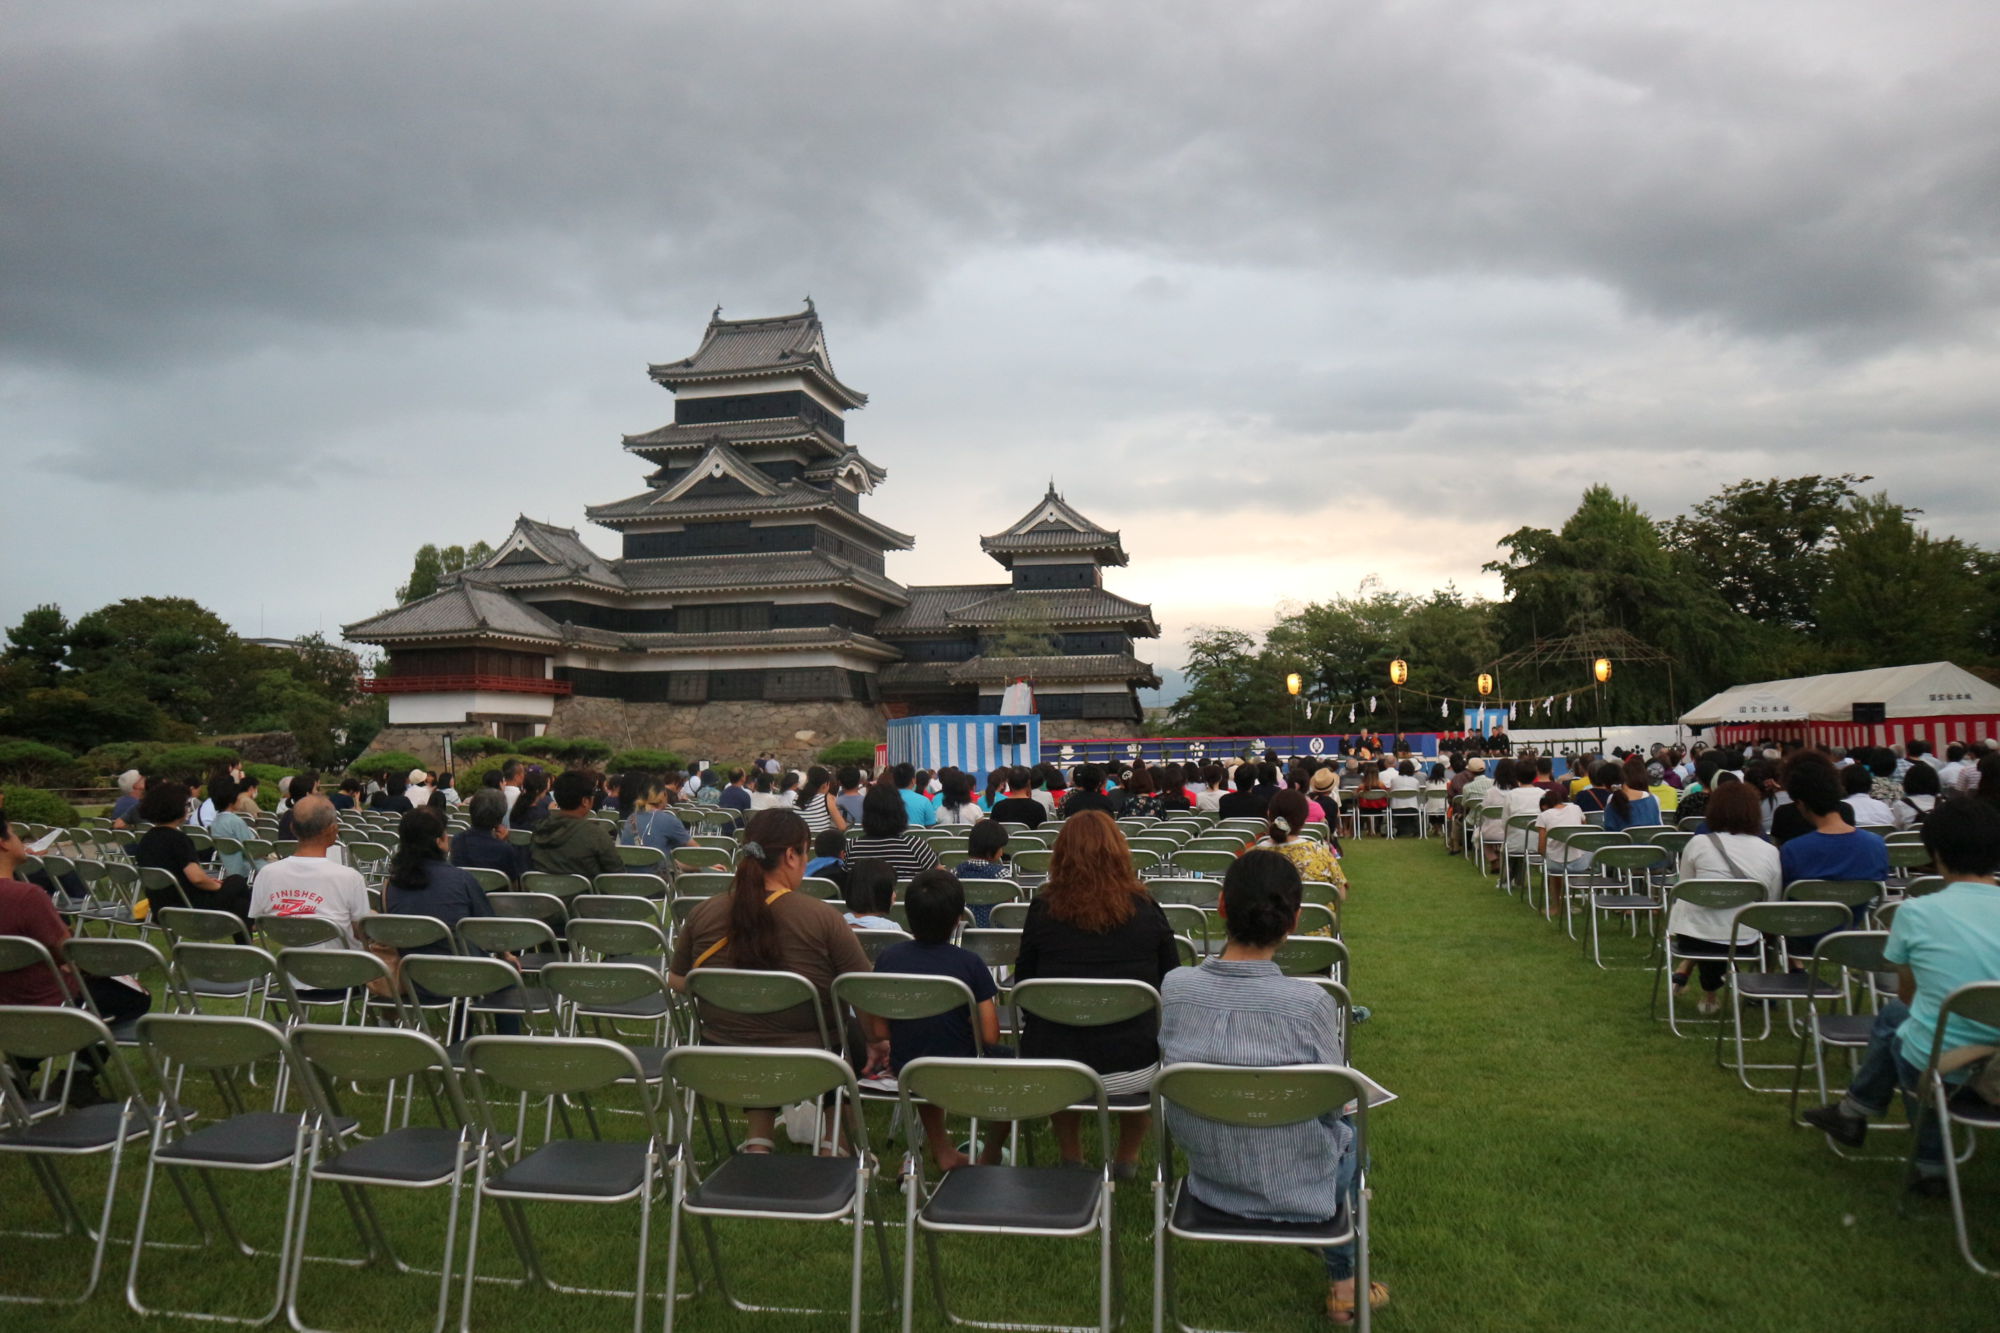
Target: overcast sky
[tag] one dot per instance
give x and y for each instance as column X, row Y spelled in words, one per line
column 1292, row 293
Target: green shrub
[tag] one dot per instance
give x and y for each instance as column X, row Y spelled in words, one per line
column 467, row 748
column 399, row 762
column 859, row 753
column 31, row 805
column 267, row 776
column 539, row 747
column 33, row 763
column 473, row 776
column 583, row 750
column 644, row 761
column 186, row 762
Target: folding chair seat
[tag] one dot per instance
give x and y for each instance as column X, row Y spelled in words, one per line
column 229, row 1049
column 1777, row 922
column 566, row 1072
column 1050, row 1201
column 771, row 1187
column 1251, row 1099
column 1722, row 895
column 1954, row 1105
column 43, row 1135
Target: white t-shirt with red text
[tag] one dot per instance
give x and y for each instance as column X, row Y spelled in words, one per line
column 311, row 886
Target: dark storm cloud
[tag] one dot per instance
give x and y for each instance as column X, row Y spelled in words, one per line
column 177, row 186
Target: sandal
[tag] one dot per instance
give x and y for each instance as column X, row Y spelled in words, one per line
column 1340, row 1309
column 757, row 1147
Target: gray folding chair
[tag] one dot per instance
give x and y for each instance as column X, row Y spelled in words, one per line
column 491, row 880
column 873, row 942
column 772, row 1187
column 565, row 1072
column 1250, row 1099
column 1081, row 1002
column 1715, row 894
column 640, row 884
column 227, row 1048
column 1314, row 956
column 702, row 883
column 596, row 997
column 1622, row 883
column 1855, row 957
column 44, row 1136
column 739, row 990
column 1773, row 981
column 402, row 1157
column 1954, row 1104
column 1051, row 1201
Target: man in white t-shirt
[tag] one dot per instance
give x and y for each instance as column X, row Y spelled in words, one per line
column 308, row 883
column 511, row 774
column 419, row 788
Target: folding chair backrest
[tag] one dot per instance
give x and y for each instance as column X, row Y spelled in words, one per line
column 540, row 906
column 1725, row 894
column 551, row 1066
column 820, row 887
column 746, row 991
column 615, row 907
column 231, row 964
column 210, row 1041
column 506, row 934
column 1904, row 855
column 1009, row 916
column 1853, row 892
column 995, row 947
column 757, row 1076
column 1086, row 1002
column 491, row 880
column 554, row 884
column 299, row 932
column 1631, row 856
column 1259, row 1097
column 1001, row 1089
column 874, row 942
column 630, row 883
column 701, row 858
column 606, row 938
column 370, row 1054
column 334, row 969
column 1793, row 918
column 701, row 883
column 200, row 923
column 1196, row 861
column 456, row 977
column 18, row 952
column 990, row 892
column 101, row 956
column 1311, row 955
column 1315, row 917
column 1193, row 892
column 1978, row 1002
column 1923, row 884
column 641, row 858
column 903, row 995
column 398, row 931
column 1033, row 860
column 1856, row 950
column 600, row 985
column 42, row 1032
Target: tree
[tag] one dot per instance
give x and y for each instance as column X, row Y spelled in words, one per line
column 1893, row 594
column 432, row 564
column 1231, row 690
column 1763, row 545
column 165, row 650
column 39, row 644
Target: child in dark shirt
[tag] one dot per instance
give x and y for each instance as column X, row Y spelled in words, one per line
column 935, row 901
column 985, row 858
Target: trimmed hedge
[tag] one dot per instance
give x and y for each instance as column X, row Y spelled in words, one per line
column 571, row 750
column 644, row 761
column 859, row 753
column 31, row 805
column 399, row 762
column 32, row 763
column 185, row 762
column 473, row 747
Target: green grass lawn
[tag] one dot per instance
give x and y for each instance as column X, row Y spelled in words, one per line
column 1556, row 1161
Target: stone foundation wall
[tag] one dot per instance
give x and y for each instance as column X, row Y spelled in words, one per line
column 1092, row 729
column 723, row 732
column 426, row 743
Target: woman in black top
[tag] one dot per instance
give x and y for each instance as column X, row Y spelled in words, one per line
column 165, row 847
column 1093, row 918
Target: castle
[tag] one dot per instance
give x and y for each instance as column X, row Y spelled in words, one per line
column 748, row 609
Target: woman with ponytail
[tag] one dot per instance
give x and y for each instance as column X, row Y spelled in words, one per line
column 764, row 924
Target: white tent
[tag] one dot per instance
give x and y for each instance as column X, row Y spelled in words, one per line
column 1921, row 700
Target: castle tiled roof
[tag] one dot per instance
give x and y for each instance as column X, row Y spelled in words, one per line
column 1063, row 607
column 805, row 569
column 788, row 498
column 675, row 437
column 931, row 605
column 734, row 349
column 763, row 640
column 1119, row 667
column 465, row 610
column 1053, row 527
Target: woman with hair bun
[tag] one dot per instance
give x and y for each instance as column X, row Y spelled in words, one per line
column 1284, row 834
column 764, row 924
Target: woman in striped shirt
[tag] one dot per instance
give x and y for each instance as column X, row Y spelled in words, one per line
column 816, row 803
column 885, row 835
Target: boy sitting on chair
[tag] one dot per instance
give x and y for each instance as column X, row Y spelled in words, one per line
column 935, row 902
column 1238, row 1009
